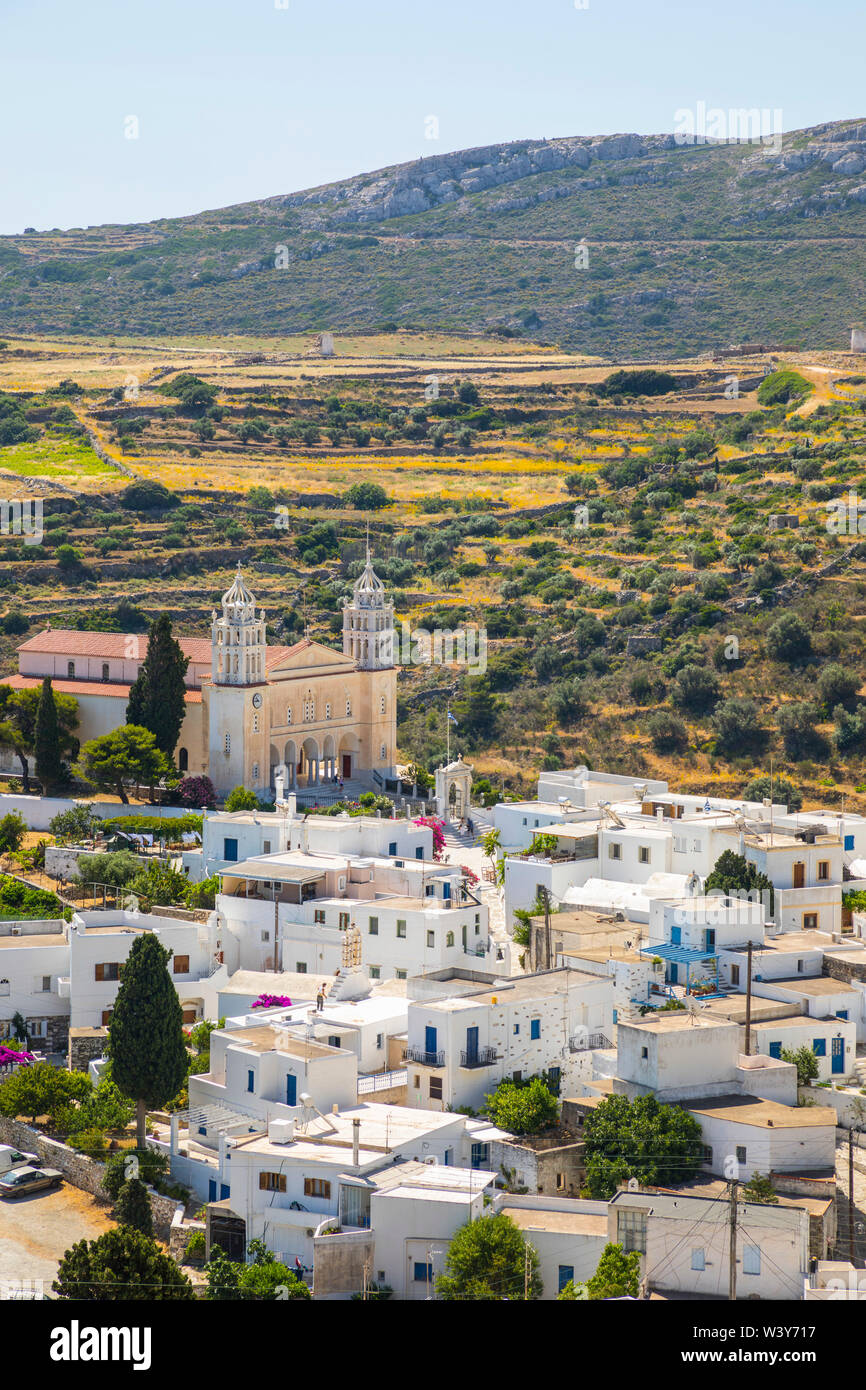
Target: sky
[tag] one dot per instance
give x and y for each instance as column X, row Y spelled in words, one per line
column 232, row 100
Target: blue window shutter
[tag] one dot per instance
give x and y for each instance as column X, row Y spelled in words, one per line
column 566, row 1276
column 251, row 1081
column 535, row 1028
column 775, row 1049
column 230, row 851
column 225, row 1191
column 291, row 1089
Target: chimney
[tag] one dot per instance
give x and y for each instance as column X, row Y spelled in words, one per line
column 356, row 1141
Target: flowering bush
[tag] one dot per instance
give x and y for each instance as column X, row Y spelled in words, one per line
column 438, row 828
column 8, row 1057
column 469, row 874
column 271, row 1001
column 197, row 791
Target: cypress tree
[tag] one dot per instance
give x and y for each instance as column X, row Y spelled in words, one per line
column 46, row 739
column 146, row 1042
column 157, row 696
column 133, row 1207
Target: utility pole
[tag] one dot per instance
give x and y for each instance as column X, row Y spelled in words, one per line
column 851, row 1194
column 732, row 1255
column 526, row 1276
column 364, row 1285
column 749, row 999
column 545, row 897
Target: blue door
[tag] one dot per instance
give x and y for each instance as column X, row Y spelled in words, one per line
column 230, row 851
column 674, row 973
column 211, row 1190
column 837, row 1060
column 472, row 1044
column 775, row 1049
column 430, row 1040
column 291, row 1090
column 225, row 1191
column 711, row 939
column 676, row 936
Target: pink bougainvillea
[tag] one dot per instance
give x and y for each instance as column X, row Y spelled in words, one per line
column 271, row 1001
column 438, row 827
column 469, row 874
column 8, row 1057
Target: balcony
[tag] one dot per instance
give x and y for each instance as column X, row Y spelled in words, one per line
column 426, row 1059
column 588, row 1042
column 480, row 1057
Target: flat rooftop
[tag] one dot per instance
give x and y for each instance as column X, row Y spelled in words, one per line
column 579, row 1223
column 673, row 1021
column 516, row 990
column 272, row 1039
column 328, row 1139
column 762, row 1114
column 814, row 985
column 35, row 939
column 586, row 922
column 787, row 942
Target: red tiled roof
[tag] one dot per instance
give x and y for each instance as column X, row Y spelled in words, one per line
column 70, row 642
column 111, row 689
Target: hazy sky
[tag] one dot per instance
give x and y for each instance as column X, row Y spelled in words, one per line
column 240, row 99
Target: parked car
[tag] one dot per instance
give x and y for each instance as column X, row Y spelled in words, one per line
column 19, row 1181
column 10, row 1157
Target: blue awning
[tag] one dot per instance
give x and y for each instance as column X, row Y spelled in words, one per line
column 683, row 955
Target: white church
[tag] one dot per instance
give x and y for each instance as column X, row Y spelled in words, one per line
column 250, row 707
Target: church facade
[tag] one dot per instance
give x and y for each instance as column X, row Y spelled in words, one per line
column 320, row 714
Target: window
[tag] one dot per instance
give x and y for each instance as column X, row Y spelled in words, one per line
column 643, row 854
column 328, row 710
column 230, row 851
column 255, row 723
column 106, row 1017
column 810, row 921
column 266, row 846
column 348, row 707
column 272, row 1182
column 431, row 938
column 566, row 1276
column 392, row 848
column 266, row 936
column 70, row 670
column 343, row 921
column 316, row 1187
column 375, row 972
column 399, row 974
column 680, row 844
column 819, row 1047
column 741, row 1153
column 631, row 1230
column 423, row 1273
column 480, row 1155
column 735, row 974
column 446, row 891
column 110, row 970
column 699, row 1259
column 381, row 704
column 417, row 1081
column 182, row 760
column 560, row 1182
column 708, row 1153
column 516, row 1076
column 319, row 916
column 300, row 967
column 288, row 716
column 614, row 851
column 46, row 984
column 644, row 1052
column 380, row 1041
column 516, row 1029
column 181, row 965
column 849, row 842
column 401, row 927
column 799, row 967
column 383, row 751
column 419, row 852
column 373, row 926
column 333, row 1040
column 751, row 1259
column 251, row 1081
column 774, row 1049
column 449, row 938
column 429, row 890
column 535, row 1028
column 823, row 870
column 842, row 1013
column 106, row 674
column 435, row 1087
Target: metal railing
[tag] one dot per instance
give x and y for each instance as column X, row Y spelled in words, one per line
column 585, row 1042
column 426, row 1059
column 381, row 1081
column 479, row 1057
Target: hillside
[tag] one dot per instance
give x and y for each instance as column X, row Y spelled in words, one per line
column 690, row 247
column 655, row 573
